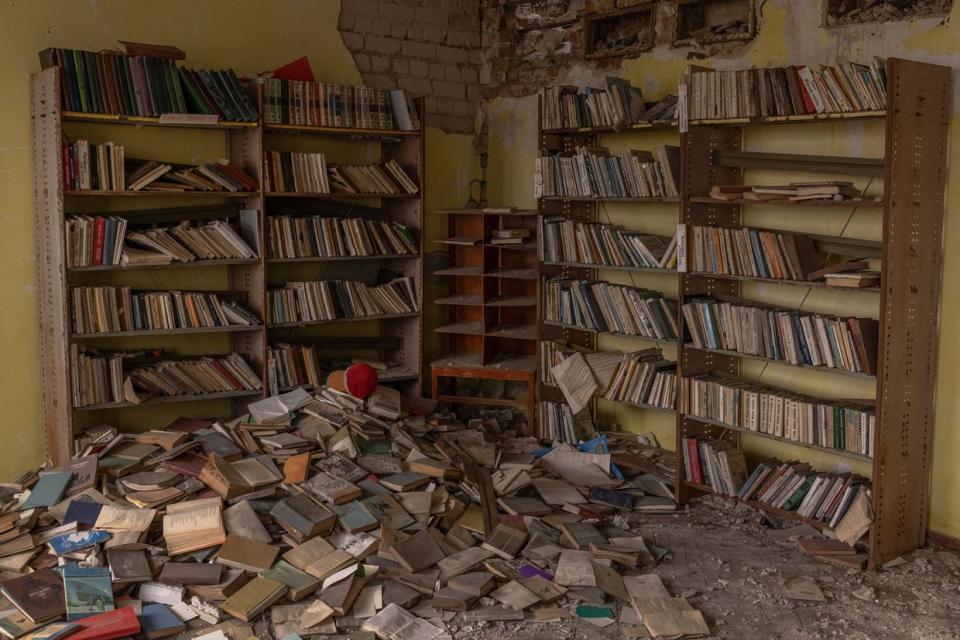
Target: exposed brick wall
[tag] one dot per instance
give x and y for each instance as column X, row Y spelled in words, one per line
column 430, row 48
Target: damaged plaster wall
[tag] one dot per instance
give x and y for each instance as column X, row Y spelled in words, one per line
column 788, row 32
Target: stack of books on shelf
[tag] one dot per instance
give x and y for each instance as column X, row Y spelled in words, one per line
column 308, row 173
column 787, row 91
column 509, row 236
column 294, row 365
column 194, row 377
column 645, row 377
column 832, row 190
column 336, row 299
column 220, row 175
column 99, row 241
column 97, row 378
column 555, row 421
column 593, row 172
column 595, row 243
column 751, row 252
column 552, row 353
column 717, row 464
column 323, row 104
column 93, row 167
column 610, row 308
column 795, row 337
column 110, row 309
column 616, row 106
column 748, row 405
column 316, row 236
column 135, row 85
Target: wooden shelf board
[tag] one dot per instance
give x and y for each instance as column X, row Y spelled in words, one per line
column 796, row 119
column 512, row 302
column 172, row 265
column 513, row 332
column 341, row 196
column 527, row 246
column 501, row 362
column 399, row 256
column 512, row 274
column 641, row 405
column 311, row 323
column 160, row 194
column 494, row 402
column 460, row 271
column 339, row 131
column 841, row 453
column 200, row 397
column 166, row 332
column 665, row 125
column 737, row 354
column 794, row 283
column 756, row 504
column 574, row 327
column 462, row 328
column 607, row 267
column 846, row 204
column 474, row 300
column 606, row 199
column 394, row 374
column 149, row 121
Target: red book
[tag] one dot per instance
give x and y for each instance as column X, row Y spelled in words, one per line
column 239, row 175
column 693, row 453
column 186, row 464
column 189, row 425
column 98, row 227
column 231, row 380
column 67, row 167
column 106, row 626
column 807, row 100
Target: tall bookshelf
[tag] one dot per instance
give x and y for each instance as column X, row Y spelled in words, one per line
column 913, row 173
column 397, row 339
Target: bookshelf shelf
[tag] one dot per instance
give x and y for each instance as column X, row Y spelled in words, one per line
column 608, row 267
column 611, row 200
column 574, row 327
column 144, row 121
column 313, row 323
column 784, row 363
column 640, row 126
column 509, row 273
column 398, row 341
column 641, row 405
column 843, row 204
column 792, row 283
column 796, row 119
column 756, row 504
column 200, row 397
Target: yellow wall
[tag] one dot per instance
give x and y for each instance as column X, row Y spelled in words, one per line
column 250, row 36
column 789, row 33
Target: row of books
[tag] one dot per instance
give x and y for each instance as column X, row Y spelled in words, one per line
column 334, row 299
column 610, row 308
column 100, row 241
column 221, row 175
column 593, row 172
column 836, row 190
column 556, row 423
column 194, row 377
column 595, row 243
column 618, row 105
column 791, row 336
column 645, row 377
column 784, row 414
column 551, row 354
column 98, row 167
column 293, row 365
column 787, row 91
column 324, row 104
column 113, row 83
column 111, row 309
column 718, row 464
column 309, row 173
column 317, row 236
column 751, row 252
column 97, row 378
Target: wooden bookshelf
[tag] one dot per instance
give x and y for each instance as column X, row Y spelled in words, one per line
column 396, row 339
column 916, row 122
column 492, row 306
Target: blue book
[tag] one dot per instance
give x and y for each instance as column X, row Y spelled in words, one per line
column 70, row 542
column 85, row 514
column 87, row 591
column 158, row 621
column 49, row 490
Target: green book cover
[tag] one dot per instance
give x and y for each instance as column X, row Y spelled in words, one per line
column 798, row 495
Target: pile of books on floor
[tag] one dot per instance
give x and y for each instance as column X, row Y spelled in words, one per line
column 294, row 365
column 791, row 336
column 751, row 406
column 832, row 190
column 787, row 91
column 221, row 175
column 309, row 173
column 593, row 172
column 102, row 379
column 93, row 167
column 145, row 85
column 321, row 514
column 788, row 486
column 751, row 252
column 318, row 301
column 323, row 104
column 110, row 309
column 316, row 236
column 99, row 241
column 610, row 308
column 595, row 243
column 616, row 106
column 645, row 377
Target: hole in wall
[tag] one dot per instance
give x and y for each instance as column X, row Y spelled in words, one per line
column 840, row 13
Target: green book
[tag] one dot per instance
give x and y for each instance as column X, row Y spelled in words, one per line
column 794, row 501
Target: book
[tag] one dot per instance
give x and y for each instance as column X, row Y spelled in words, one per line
column 323, row 104
column 329, row 300
column 405, row 481
column 615, row 106
column 93, row 167
column 192, row 525
column 243, row 520
column 593, row 172
column 190, row 573
column 39, row 595
column 129, row 565
column 354, row 517
column 48, row 490
column 418, row 552
column 158, row 621
column 565, row 240
column 644, row 378
column 331, row 489
column 752, row 252
column 299, row 583
column 87, row 591
column 293, row 172
column 54, row 631
column 250, row 555
column 253, row 598
column 318, row 236
column 15, row 624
